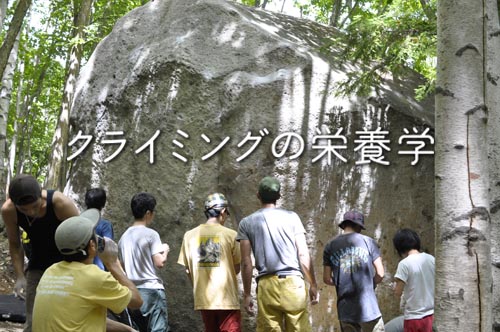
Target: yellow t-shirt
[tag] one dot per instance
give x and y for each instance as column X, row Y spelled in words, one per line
column 210, row 252
column 74, row 297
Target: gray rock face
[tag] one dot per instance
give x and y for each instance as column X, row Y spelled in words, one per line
column 218, row 96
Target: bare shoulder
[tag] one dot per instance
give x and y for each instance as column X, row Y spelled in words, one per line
column 9, row 214
column 64, row 207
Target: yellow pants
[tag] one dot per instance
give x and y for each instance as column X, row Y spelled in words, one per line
column 282, row 304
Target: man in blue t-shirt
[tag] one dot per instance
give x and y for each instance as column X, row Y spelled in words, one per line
column 95, row 198
column 352, row 263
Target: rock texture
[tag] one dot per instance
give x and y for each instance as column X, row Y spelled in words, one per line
column 241, row 77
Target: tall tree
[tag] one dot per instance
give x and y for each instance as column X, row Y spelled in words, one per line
column 493, row 101
column 5, row 97
column 3, row 12
column 15, row 27
column 463, row 256
column 57, row 168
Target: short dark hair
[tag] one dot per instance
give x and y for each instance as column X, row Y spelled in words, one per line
column 405, row 240
column 95, row 198
column 79, row 256
column 141, row 203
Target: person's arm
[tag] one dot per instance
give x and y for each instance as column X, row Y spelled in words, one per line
column 9, row 216
column 64, row 207
column 379, row 270
column 398, row 287
column 114, row 326
column 327, row 275
column 307, row 266
column 246, row 275
column 159, row 259
column 110, row 259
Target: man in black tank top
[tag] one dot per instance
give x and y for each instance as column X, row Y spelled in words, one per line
column 38, row 212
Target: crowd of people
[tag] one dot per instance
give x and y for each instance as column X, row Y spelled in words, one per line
column 79, row 279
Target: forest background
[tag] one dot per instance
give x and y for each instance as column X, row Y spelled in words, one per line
column 45, row 43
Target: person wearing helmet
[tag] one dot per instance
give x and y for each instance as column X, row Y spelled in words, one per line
column 212, row 258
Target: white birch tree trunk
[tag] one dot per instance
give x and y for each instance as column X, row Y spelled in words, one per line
column 57, row 169
column 5, row 97
column 3, row 12
column 493, row 102
column 463, row 269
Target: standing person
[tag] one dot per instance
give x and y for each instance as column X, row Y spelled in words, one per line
column 212, row 258
column 142, row 252
column 38, row 212
column 73, row 295
column 277, row 239
column 95, row 198
column 415, row 278
column 352, row 263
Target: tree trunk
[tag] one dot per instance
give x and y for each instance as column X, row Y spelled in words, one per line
column 4, row 4
column 16, row 125
column 336, row 10
column 493, row 102
column 15, row 27
column 463, row 269
column 5, row 97
column 57, row 169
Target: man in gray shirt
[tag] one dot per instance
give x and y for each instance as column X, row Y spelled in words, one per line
column 277, row 239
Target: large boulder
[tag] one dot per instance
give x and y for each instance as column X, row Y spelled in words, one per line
column 213, row 92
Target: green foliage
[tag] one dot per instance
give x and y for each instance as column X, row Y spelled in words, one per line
column 42, row 68
column 381, row 37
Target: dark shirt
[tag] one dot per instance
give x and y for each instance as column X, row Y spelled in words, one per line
column 41, row 231
column 351, row 258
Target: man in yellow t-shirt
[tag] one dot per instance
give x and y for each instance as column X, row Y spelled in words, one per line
column 73, row 295
column 212, row 258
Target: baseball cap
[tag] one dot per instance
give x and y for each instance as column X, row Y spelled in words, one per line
column 24, row 189
column 269, row 188
column 73, row 234
column 215, row 201
column 354, row 216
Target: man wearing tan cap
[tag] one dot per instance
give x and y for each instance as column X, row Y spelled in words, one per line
column 73, row 294
column 352, row 263
column 38, row 212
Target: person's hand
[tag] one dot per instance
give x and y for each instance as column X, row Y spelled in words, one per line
column 110, row 253
column 248, row 303
column 20, row 287
column 313, row 294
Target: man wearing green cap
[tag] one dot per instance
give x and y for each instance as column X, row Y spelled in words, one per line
column 277, row 239
column 73, row 294
column 211, row 257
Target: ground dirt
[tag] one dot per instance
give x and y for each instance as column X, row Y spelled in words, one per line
column 7, row 279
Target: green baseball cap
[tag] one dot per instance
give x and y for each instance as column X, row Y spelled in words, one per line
column 73, row 234
column 269, row 188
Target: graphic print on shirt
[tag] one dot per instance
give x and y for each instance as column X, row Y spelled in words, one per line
column 209, row 251
column 350, row 259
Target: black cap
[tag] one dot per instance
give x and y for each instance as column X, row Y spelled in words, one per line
column 24, row 189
